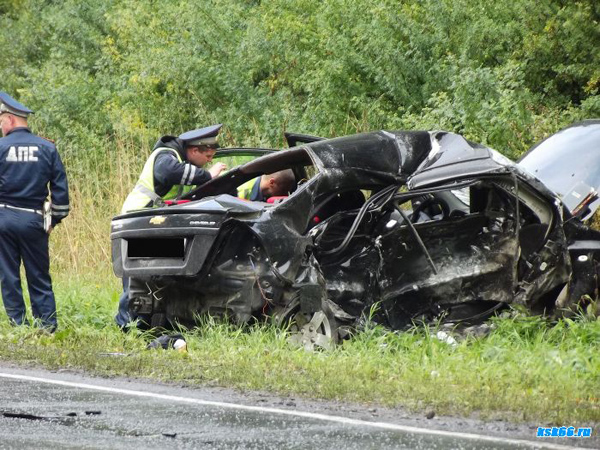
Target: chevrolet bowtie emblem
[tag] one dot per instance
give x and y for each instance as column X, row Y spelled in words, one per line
column 157, row 220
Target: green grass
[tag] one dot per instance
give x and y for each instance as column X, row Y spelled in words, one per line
column 526, row 369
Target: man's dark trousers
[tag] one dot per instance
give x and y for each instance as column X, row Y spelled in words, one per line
column 23, row 238
column 123, row 318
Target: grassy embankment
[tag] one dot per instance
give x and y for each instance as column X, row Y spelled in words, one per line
column 526, row 369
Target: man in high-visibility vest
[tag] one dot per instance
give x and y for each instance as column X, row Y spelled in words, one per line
column 271, row 185
column 174, row 168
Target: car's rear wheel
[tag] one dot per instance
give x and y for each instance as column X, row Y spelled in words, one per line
column 312, row 331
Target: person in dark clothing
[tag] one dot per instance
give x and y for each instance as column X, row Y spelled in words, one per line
column 174, row 168
column 28, row 165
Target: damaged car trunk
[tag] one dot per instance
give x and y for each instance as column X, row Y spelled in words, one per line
column 397, row 225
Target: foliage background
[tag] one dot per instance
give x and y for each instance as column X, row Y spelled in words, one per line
column 108, row 78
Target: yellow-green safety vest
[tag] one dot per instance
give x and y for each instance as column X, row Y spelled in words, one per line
column 245, row 189
column 143, row 193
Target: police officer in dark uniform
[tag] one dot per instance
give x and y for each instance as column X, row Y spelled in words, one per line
column 28, row 165
column 174, row 168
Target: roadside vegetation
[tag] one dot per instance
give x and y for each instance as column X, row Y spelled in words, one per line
column 526, row 369
column 108, row 78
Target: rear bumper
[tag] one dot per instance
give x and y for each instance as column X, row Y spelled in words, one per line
column 150, row 259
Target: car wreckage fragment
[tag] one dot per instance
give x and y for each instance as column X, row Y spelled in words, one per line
column 406, row 225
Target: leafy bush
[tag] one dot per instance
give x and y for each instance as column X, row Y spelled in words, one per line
column 138, row 70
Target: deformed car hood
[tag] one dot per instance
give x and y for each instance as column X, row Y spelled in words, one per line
column 568, row 162
column 422, row 157
column 452, row 158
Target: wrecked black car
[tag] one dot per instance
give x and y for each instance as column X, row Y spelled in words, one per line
column 393, row 225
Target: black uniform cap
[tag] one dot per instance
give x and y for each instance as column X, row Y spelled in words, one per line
column 11, row 106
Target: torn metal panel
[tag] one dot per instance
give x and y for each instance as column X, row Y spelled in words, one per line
column 568, row 162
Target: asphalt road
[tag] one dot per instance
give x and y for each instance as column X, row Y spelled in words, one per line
column 47, row 410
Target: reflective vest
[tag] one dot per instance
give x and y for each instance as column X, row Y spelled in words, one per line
column 143, row 193
column 245, row 190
